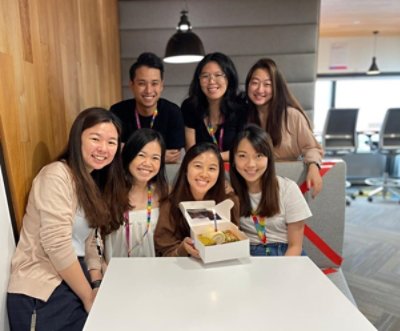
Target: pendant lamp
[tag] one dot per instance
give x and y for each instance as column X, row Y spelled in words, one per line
column 184, row 46
column 373, row 69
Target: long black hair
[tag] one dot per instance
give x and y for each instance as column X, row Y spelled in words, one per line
column 281, row 99
column 98, row 192
column 181, row 189
column 198, row 101
column 261, row 142
column 133, row 146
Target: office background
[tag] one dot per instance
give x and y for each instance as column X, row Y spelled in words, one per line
column 59, row 57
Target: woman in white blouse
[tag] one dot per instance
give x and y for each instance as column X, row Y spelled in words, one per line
column 146, row 185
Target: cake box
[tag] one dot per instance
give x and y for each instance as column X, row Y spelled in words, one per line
column 201, row 217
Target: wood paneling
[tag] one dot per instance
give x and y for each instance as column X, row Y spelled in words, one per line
column 56, row 59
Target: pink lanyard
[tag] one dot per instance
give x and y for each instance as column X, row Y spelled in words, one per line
column 148, row 220
column 139, row 126
column 211, row 132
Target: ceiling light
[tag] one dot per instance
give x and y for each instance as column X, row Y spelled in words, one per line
column 184, row 46
column 373, row 69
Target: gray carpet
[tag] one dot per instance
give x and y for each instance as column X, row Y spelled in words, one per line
column 372, row 259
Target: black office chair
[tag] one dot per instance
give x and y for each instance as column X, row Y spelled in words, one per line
column 340, row 136
column 389, row 144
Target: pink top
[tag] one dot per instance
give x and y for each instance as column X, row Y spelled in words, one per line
column 299, row 141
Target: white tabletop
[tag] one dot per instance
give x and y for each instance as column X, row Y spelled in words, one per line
column 279, row 293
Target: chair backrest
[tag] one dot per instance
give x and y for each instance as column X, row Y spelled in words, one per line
column 328, row 208
column 389, row 137
column 340, row 135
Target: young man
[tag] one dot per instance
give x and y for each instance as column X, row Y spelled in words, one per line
column 148, row 110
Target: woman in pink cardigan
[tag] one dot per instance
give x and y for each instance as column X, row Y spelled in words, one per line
column 274, row 108
column 57, row 266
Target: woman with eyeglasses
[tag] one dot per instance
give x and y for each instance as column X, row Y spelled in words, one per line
column 271, row 105
column 211, row 111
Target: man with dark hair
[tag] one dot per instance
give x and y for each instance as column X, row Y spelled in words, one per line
column 148, row 110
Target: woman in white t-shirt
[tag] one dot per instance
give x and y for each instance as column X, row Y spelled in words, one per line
column 143, row 159
column 272, row 208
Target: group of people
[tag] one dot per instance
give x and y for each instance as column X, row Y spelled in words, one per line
column 215, row 112
column 107, row 195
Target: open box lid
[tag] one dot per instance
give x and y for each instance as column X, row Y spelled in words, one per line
column 204, row 212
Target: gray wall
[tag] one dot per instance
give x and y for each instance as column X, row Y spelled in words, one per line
column 286, row 31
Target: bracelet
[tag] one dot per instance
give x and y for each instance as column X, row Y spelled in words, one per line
column 95, row 284
column 316, row 163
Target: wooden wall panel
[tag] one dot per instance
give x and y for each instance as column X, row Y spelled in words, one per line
column 56, row 59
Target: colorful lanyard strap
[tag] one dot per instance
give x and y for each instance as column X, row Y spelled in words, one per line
column 148, row 220
column 98, row 243
column 139, row 126
column 259, row 223
column 211, row 132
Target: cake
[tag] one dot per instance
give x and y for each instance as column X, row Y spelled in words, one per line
column 211, row 238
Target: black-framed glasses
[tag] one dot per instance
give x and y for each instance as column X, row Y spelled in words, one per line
column 206, row 76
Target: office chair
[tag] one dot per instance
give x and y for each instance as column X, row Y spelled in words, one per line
column 340, row 136
column 389, row 144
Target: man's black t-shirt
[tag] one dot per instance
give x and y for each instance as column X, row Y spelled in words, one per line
column 168, row 122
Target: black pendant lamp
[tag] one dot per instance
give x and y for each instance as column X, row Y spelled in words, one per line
column 184, row 46
column 373, row 69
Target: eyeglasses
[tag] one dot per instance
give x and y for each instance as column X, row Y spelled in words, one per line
column 206, row 77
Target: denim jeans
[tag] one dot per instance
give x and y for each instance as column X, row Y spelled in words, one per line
column 271, row 249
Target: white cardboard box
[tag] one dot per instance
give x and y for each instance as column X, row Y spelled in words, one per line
column 200, row 225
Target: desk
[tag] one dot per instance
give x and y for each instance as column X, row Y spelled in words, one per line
column 279, row 293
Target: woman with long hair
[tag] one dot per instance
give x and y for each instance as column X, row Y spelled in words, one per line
column 143, row 159
column 272, row 208
column 200, row 177
column 57, row 266
column 272, row 106
column 211, row 112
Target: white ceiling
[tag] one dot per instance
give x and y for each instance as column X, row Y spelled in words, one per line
column 359, row 17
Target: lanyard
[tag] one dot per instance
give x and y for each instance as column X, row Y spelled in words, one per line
column 148, row 220
column 98, row 243
column 259, row 223
column 139, row 126
column 211, row 132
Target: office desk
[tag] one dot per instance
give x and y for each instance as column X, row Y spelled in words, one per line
column 160, row 294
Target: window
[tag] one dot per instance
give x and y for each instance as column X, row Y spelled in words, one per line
column 373, row 96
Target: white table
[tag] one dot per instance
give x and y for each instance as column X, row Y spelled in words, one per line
column 280, row 293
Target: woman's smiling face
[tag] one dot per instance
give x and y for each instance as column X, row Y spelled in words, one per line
column 146, row 163
column 202, row 174
column 213, row 81
column 99, row 145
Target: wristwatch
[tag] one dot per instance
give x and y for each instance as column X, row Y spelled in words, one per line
column 95, row 284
